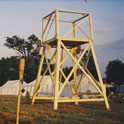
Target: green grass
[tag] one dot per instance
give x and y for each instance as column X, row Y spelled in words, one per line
column 68, row 113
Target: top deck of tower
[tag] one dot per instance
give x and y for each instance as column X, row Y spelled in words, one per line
column 72, row 28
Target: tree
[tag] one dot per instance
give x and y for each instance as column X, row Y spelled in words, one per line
column 26, row 48
column 115, row 71
column 31, row 68
column 9, row 69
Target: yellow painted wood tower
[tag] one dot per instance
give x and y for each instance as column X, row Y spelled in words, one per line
column 66, row 38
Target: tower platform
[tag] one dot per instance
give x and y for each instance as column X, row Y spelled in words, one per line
column 68, row 42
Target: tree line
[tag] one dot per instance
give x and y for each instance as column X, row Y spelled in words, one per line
column 9, row 67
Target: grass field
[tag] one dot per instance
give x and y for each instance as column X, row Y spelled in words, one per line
column 68, row 113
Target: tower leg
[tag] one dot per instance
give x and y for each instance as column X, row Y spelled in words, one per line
column 75, row 76
column 75, row 70
column 99, row 75
column 38, row 76
column 56, row 77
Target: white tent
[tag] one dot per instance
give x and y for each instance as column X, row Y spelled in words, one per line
column 86, row 86
column 46, row 90
column 11, row 88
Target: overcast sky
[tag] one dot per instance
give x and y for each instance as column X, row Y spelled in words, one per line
column 24, row 17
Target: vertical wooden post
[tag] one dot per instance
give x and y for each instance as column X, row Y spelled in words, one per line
column 56, row 77
column 57, row 24
column 75, row 70
column 91, row 27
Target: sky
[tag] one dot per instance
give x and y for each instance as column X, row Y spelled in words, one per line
column 24, row 17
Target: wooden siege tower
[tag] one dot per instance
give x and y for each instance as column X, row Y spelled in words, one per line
column 64, row 33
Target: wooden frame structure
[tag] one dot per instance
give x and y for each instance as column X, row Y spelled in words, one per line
column 69, row 46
